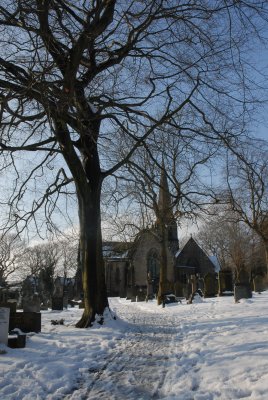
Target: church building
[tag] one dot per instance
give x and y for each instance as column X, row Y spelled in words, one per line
column 128, row 266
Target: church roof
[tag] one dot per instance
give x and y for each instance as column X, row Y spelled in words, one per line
column 190, row 249
column 116, row 249
column 215, row 261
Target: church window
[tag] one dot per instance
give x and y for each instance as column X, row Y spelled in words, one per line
column 153, row 265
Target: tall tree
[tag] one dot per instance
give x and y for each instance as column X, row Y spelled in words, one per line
column 83, row 82
column 247, row 188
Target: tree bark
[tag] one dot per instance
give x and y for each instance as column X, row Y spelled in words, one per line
column 266, row 255
column 163, row 265
column 93, row 279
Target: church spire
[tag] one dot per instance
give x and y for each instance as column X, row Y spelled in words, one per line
column 165, row 210
column 164, row 199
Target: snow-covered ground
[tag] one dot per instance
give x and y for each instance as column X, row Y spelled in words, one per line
column 215, row 349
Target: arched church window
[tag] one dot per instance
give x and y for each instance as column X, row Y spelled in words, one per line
column 153, row 264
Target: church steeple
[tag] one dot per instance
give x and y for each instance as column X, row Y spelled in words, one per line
column 165, row 210
column 164, row 199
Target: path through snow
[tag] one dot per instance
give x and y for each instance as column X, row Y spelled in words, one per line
column 212, row 350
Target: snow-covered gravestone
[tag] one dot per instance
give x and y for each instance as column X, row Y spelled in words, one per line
column 4, row 324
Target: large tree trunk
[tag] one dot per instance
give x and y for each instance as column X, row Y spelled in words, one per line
column 266, row 254
column 92, row 264
column 93, row 276
column 88, row 181
column 163, row 265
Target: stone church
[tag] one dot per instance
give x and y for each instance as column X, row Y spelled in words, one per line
column 128, row 265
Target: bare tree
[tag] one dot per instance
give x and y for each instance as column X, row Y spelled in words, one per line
column 85, row 82
column 232, row 242
column 12, row 250
column 247, row 188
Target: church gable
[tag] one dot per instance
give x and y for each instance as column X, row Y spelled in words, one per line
column 193, row 257
column 146, row 257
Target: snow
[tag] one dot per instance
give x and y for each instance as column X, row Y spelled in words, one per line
column 213, row 349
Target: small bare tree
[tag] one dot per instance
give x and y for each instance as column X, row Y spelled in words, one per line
column 12, row 249
column 232, row 242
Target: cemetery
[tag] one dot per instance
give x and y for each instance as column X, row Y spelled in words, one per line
column 134, row 200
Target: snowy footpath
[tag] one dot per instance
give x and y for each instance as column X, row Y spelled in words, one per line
column 214, row 349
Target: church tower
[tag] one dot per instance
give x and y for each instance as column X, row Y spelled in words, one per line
column 165, row 211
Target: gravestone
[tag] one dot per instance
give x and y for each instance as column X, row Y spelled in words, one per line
column 242, row 289
column 58, row 288
column 141, row 294
column 4, row 325
column 17, row 341
column 210, row 285
column 25, row 321
column 31, row 303
column 57, row 303
column 58, row 293
column 28, row 287
column 259, row 283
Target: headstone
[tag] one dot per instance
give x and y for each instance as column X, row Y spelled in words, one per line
column 242, row 292
column 58, row 288
column 259, row 283
column 210, row 285
column 25, row 321
column 141, row 295
column 4, row 325
column 31, row 303
column 242, row 288
column 28, row 286
column 17, row 341
column 57, row 303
